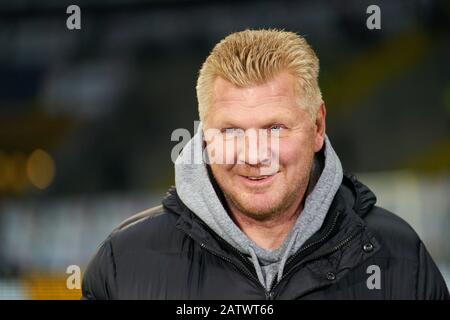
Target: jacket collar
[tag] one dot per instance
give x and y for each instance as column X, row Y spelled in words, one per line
column 363, row 198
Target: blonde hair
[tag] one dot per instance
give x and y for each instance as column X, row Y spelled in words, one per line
column 253, row 57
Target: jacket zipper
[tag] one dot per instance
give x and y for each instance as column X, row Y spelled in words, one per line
column 295, row 255
column 332, row 250
column 269, row 293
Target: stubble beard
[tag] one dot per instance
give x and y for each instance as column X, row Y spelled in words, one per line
column 286, row 201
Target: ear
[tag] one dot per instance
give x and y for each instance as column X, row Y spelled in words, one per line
column 320, row 128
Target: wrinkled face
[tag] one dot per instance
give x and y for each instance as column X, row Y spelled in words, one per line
column 269, row 171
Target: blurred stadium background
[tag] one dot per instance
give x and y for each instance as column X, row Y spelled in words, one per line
column 86, row 116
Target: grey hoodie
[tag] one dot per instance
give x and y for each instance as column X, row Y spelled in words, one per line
column 196, row 190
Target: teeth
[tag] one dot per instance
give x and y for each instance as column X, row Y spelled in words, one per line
column 256, row 178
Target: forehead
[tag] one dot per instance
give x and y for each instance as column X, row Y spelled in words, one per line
column 274, row 99
column 280, row 87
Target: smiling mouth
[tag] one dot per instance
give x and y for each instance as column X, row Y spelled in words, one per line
column 259, row 180
column 257, row 177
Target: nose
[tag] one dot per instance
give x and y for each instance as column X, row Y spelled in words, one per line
column 256, row 149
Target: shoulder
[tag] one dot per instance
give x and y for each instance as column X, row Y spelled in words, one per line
column 400, row 243
column 394, row 233
column 150, row 232
column 389, row 223
column 152, row 229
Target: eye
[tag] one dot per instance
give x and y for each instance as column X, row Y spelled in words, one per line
column 276, row 127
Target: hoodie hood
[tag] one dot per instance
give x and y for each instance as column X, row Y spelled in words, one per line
column 196, row 190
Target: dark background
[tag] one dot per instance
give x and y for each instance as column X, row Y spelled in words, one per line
column 101, row 103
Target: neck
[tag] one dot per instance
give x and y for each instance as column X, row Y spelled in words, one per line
column 268, row 234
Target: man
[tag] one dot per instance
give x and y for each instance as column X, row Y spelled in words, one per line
column 278, row 219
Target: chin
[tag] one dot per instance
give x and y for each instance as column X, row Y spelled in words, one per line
column 258, row 205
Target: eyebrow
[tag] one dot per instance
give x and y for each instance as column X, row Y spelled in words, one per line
column 271, row 121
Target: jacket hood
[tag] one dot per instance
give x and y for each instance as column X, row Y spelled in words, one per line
column 358, row 195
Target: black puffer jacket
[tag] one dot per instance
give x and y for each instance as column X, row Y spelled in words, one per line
column 361, row 252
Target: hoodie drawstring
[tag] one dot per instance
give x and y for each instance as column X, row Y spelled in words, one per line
column 286, row 255
column 257, row 266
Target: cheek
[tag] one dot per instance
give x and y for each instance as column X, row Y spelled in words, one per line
column 296, row 152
